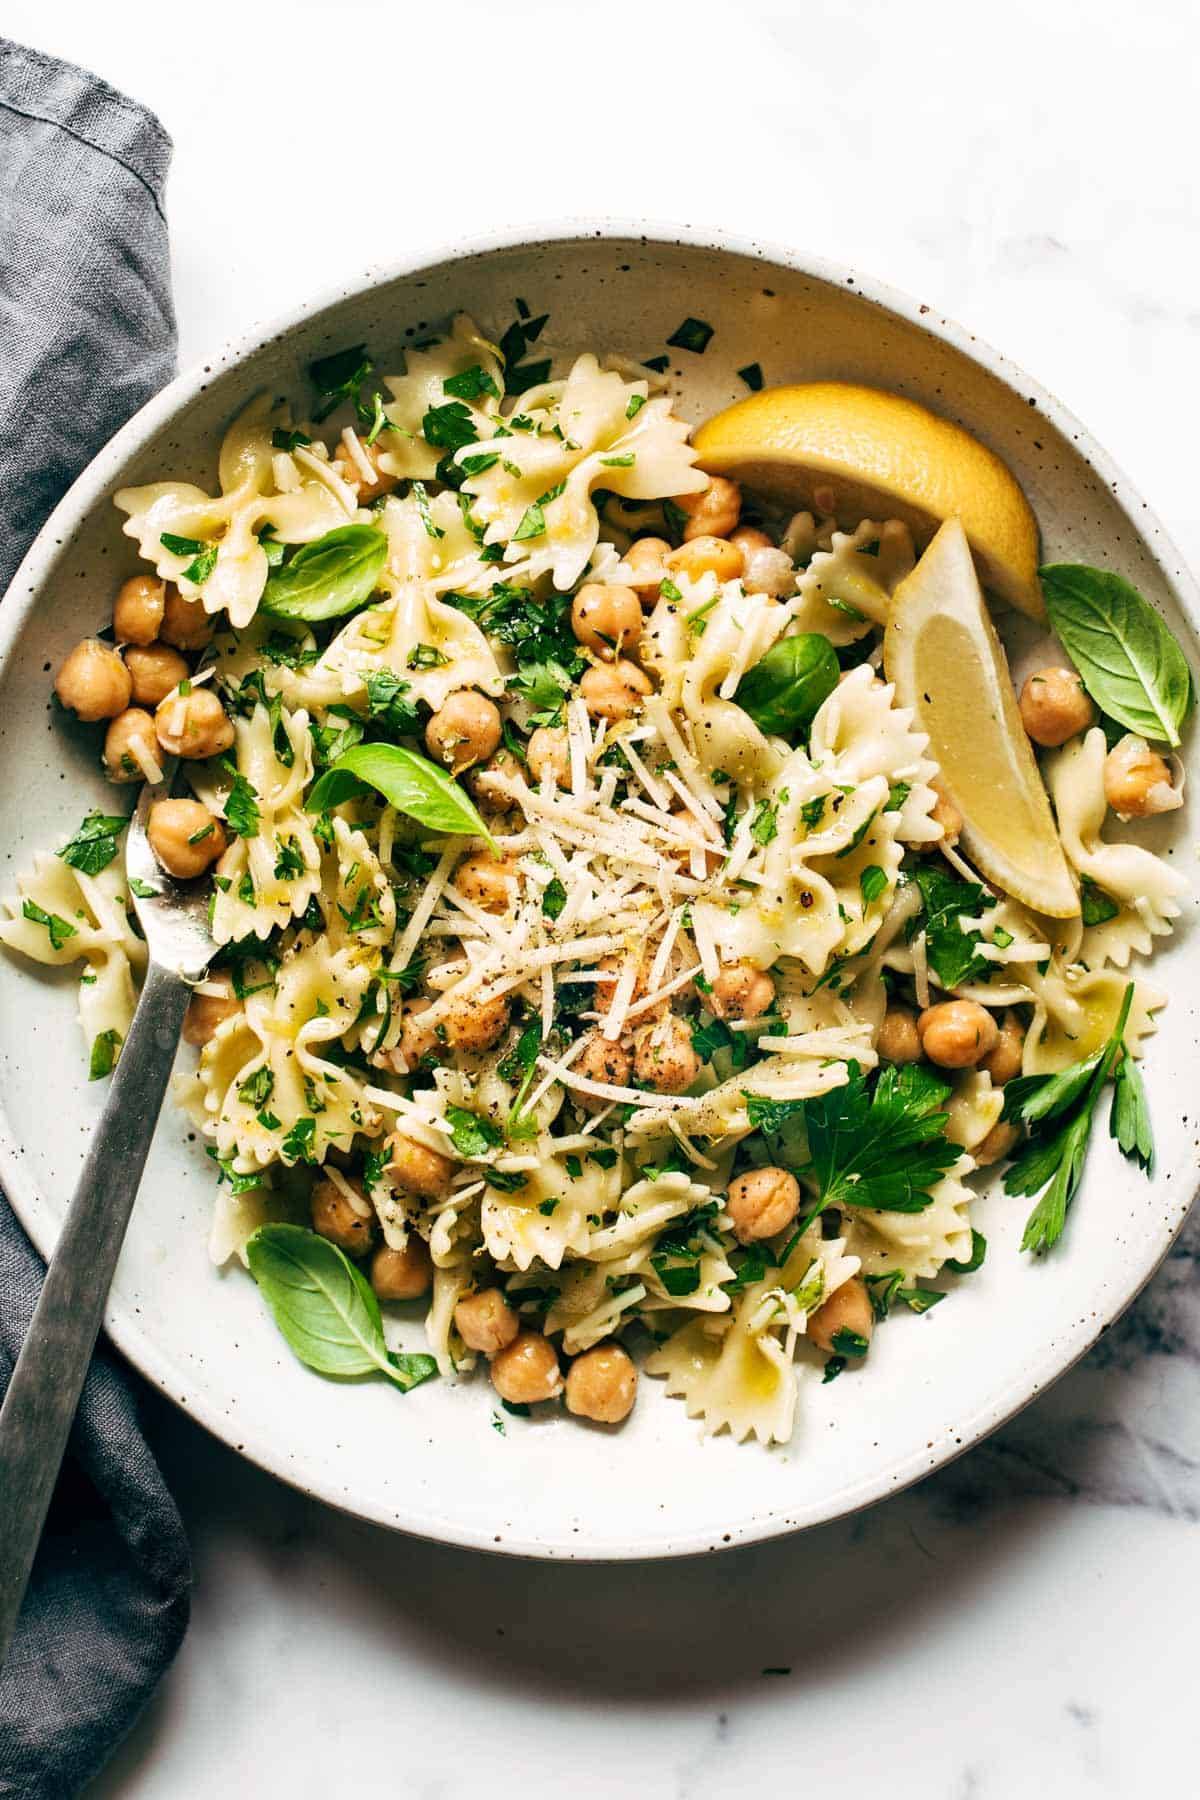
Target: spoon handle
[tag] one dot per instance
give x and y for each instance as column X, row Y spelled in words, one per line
column 39, row 1408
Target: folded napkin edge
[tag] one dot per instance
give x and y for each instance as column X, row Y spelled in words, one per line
column 39, row 86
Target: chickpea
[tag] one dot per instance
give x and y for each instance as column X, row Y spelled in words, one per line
column 762, row 1202
column 549, row 753
column 463, row 731
column 130, row 730
column 602, row 1385
column 488, row 784
column 712, row 513
column 1137, row 780
column 707, row 556
column 155, row 672
column 93, row 682
column 741, row 991
column 526, row 1371
column 347, row 467
column 609, row 970
column 848, row 1308
column 768, row 569
column 748, row 538
column 1055, row 706
column 416, row 1040
column 946, row 814
column 602, row 1060
column 488, row 881
column 957, row 1034
column 615, row 691
column 646, row 559
column 474, row 1024
column 417, row 1168
column 206, row 1011
column 606, row 618
column 185, row 837
column 185, row 623
column 1004, row 1061
column 337, row 1219
column 138, row 609
column 402, row 1274
column 485, row 1321
column 997, row 1144
column 663, row 1056
column 898, row 1040
column 193, row 725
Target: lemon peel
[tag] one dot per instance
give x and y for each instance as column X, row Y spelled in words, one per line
column 833, row 447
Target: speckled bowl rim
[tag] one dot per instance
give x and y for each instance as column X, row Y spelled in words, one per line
column 92, row 487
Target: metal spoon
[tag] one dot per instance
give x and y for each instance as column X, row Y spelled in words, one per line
column 39, row 1408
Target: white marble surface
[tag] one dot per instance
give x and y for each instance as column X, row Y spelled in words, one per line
column 1024, row 1619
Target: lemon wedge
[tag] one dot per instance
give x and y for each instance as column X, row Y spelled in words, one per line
column 860, row 453
column 941, row 650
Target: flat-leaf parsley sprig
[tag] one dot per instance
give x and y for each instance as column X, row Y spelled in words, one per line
column 1057, row 1110
column 883, row 1147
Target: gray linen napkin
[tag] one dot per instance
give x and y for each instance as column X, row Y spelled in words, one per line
column 87, row 335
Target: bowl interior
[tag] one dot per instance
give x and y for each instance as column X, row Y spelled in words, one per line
column 444, row 1463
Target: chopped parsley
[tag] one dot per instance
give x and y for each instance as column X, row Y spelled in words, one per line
column 59, row 929
column 752, row 375
column 297, row 1146
column 105, row 1048
column 953, row 953
column 471, row 1134
column 693, row 335
column 94, row 844
column 554, row 898
column 241, row 803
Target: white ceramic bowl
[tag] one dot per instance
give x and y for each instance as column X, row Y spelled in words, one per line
column 432, row 1463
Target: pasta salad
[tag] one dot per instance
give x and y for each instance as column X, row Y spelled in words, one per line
column 603, row 962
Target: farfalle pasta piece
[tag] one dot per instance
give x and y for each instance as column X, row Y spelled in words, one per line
column 61, row 916
column 736, row 1373
column 1075, row 1012
column 851, row 576
column 431, row 646
column 536, row 498
column 917, row 1243
column 233, row 520
column 268, row 876
column 403, row 450
column 1142, row 885
column 699, row 671
column 268, row 1090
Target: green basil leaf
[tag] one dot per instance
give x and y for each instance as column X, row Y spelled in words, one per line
column 325, row 579
column 411, row 783
column 324, row 1307
column 783, row 690
column 1130, row 663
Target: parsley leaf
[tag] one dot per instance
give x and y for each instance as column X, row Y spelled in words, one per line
column 94, row 845
column 297, row 1146
column 241, row 803
column 952, row 952
column 388, row 707
column 105, row 1047
column 554, row 898
column 693, row 335
column 58, row 928
column 1129, row 1120
column 449, row 427
column 339, row 377
column 472, row 1135
column 1060, row 1108
column 470, row 383
column 884, row 1149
